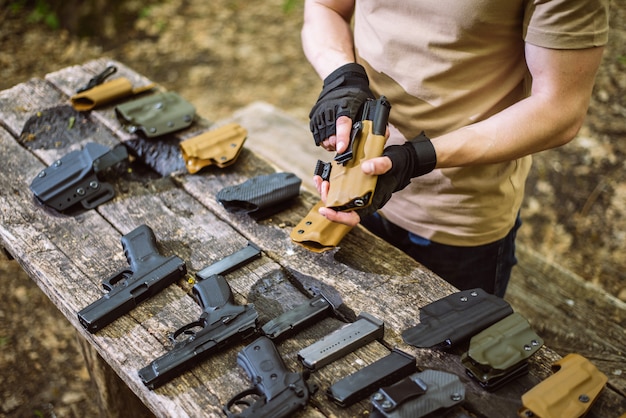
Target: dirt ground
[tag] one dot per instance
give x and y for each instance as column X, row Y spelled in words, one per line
column 224, row 54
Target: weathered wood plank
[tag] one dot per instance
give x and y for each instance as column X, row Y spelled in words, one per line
column 19, row 103
column 178, row 218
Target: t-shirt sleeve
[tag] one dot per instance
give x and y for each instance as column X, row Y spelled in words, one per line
column 566, row 24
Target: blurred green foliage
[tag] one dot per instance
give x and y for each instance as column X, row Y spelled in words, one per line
column 41, row 11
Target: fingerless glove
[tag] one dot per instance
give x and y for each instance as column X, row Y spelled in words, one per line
column 343, row 94
column 412, row 159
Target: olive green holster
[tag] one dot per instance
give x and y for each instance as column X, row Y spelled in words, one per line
column 156, row 114
column 219, row 147
column 499, row 353
column 105, row 93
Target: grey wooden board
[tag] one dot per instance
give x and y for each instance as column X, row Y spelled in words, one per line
column 188, row 227
column 185, row 228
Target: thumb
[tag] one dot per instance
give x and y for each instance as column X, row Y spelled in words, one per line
column 376, row 166
column 343, row 128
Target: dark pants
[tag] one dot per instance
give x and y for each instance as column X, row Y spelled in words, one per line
column 485, row 266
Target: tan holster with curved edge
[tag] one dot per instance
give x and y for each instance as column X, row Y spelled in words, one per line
column 106, row 93
column 350, row 188
column 316, row 233
column 221, row 147
column 569, row 392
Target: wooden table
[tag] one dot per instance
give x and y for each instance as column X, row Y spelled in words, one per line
column 68, row 256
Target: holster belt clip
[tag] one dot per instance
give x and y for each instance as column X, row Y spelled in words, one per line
column 419, row 395
column 455, row 318
column 73, row 178
column 156, row 114
column 219, row 147
column 569, row 392
column 316, row 233
column 260, row 196
column 499, row 353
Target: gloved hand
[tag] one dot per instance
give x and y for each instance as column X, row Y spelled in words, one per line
column 412, row 159
column 344, row 92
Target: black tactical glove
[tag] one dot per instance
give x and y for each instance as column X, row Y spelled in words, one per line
column 412, row 159
column 344, row 92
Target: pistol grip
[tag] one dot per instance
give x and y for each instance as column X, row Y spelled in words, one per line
column 212, row 292
column 264, row 366
column 139, row 245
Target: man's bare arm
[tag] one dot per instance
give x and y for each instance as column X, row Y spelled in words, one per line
column 550, row 117
column 326, row 34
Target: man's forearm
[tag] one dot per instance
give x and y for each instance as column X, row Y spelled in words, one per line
column 549, row 118
column 326, row 35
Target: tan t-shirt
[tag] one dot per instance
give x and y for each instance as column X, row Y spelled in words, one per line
column 444, row 64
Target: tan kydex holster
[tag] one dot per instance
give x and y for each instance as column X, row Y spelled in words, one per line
column 105, row 93
column 569, row 392
column 318, row 234
column 350, row 188
column 219, row 147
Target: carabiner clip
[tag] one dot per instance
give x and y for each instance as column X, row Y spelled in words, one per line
column 98, row 79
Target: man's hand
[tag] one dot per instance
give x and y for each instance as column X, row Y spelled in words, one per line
column 344, row 92
column 395, row 169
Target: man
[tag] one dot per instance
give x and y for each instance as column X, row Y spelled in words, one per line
column 476, row 88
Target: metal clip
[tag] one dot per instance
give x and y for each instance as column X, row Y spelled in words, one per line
column 419, row 395
column 98, row 79
column 499, row 353
column 569, row 392
column 73, row 178
column 455, row 318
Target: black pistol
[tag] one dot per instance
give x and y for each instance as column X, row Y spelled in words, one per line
column 277, row 392
column 148, row 274
column 221, row 324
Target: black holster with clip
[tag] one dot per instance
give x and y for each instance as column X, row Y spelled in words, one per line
column 455, row 318
column 74, row 178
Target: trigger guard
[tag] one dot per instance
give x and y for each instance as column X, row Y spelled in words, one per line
column 238, row 400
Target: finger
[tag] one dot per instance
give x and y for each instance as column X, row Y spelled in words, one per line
column 317, row 181
column 329, row 144
column 324, row 188
column 376, row 166
column 343, row 129
column 346, row 218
